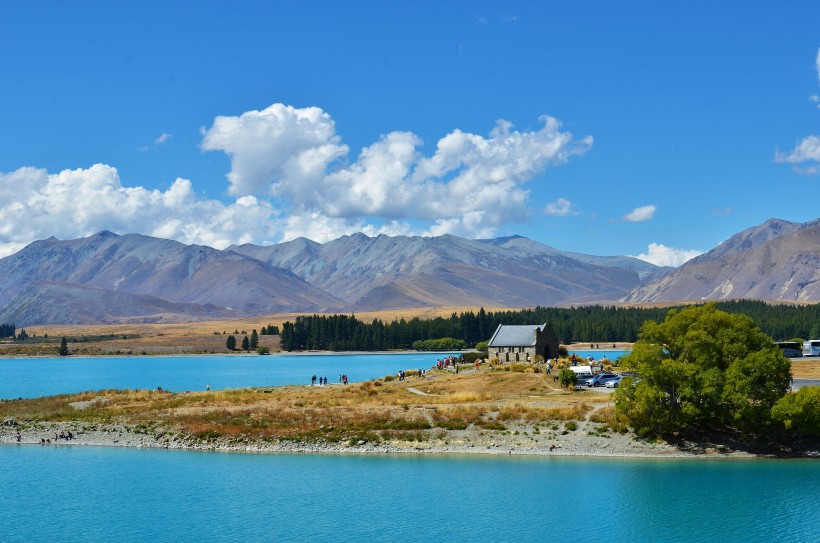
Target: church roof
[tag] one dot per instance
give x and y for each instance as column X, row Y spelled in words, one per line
column 515, row 335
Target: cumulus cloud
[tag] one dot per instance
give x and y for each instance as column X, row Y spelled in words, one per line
column 807, row 149
column 560, row 208
column 35, row 204
column 470, row 185
column 278, row 143
column 643, row 213
column 291, row 175
column 661, row 255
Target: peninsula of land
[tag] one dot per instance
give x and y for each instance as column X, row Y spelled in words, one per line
column 509, row 411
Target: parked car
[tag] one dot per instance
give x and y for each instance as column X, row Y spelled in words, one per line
column 613, row 383
column 600, row 379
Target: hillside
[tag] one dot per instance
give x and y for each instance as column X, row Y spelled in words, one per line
column 386, row 272
column 777, row 260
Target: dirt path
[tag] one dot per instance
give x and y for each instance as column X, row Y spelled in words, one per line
column 419, row 392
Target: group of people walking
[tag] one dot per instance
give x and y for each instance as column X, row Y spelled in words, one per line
column 322, row 381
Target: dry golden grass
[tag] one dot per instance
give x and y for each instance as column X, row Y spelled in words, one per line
column 187, row 338
column 808, row 368
column 372, row 410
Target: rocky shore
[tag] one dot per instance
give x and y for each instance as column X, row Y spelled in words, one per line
column 587, row 440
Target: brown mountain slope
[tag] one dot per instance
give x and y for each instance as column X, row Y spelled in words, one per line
column 785, row 266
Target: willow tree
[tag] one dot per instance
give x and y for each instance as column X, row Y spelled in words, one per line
column 703, row 369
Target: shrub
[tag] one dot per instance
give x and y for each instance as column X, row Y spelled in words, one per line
column 799, row 412
column 567, row 378
column 563, row 352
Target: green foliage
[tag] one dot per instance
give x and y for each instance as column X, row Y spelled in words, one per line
column 482, row 346
column 230, row 343
column 799, row 413
column 567, row 378
column 702, row 369
column 262, row 350
column 63, row 347
column 254, row 339
column 442, row 344
column 246, row 343
column 575, row 324
column 7, row 330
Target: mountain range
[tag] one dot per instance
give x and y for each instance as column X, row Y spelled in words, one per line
column 108, row 278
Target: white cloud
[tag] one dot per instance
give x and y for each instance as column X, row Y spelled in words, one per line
column 75, row 203
column 722, row 212
column 560, row 208
column 807, row 149
column 471, row 184
column 162, row 138
column 291, row 176
column 643, row 213
column 817, row 64
column 661, row 255
column 278, row 143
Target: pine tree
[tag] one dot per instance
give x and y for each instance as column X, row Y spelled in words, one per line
column 254, row 339
column 246, row 344
column 63, row 347
column 230, row 343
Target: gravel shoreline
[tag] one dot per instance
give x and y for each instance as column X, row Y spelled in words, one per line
column 586, row 441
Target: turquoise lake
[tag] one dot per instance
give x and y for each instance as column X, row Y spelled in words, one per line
column 33, row 377
column 76, row 494
column 109, row 494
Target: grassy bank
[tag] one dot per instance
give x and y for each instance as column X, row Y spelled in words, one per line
column 374, row 411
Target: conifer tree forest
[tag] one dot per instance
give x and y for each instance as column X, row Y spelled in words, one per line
column 604, row 324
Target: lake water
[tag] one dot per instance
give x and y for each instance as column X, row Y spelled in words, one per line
column 598, row 354
column 131, row 495
column 108, row 494
column 33, row 377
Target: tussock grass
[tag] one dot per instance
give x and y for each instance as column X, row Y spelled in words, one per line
column 370, row 411
column 543, row 414
column 613, row 421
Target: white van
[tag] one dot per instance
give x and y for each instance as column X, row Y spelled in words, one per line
column 811, row 347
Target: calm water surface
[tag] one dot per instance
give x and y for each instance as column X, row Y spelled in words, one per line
column 33, row 377
column 98, row 494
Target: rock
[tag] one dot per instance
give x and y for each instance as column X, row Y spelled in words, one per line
column 9, row 422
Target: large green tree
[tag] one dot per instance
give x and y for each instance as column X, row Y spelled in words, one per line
column 703, row 369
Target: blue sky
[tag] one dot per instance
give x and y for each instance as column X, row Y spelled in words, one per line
column 639, row 128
